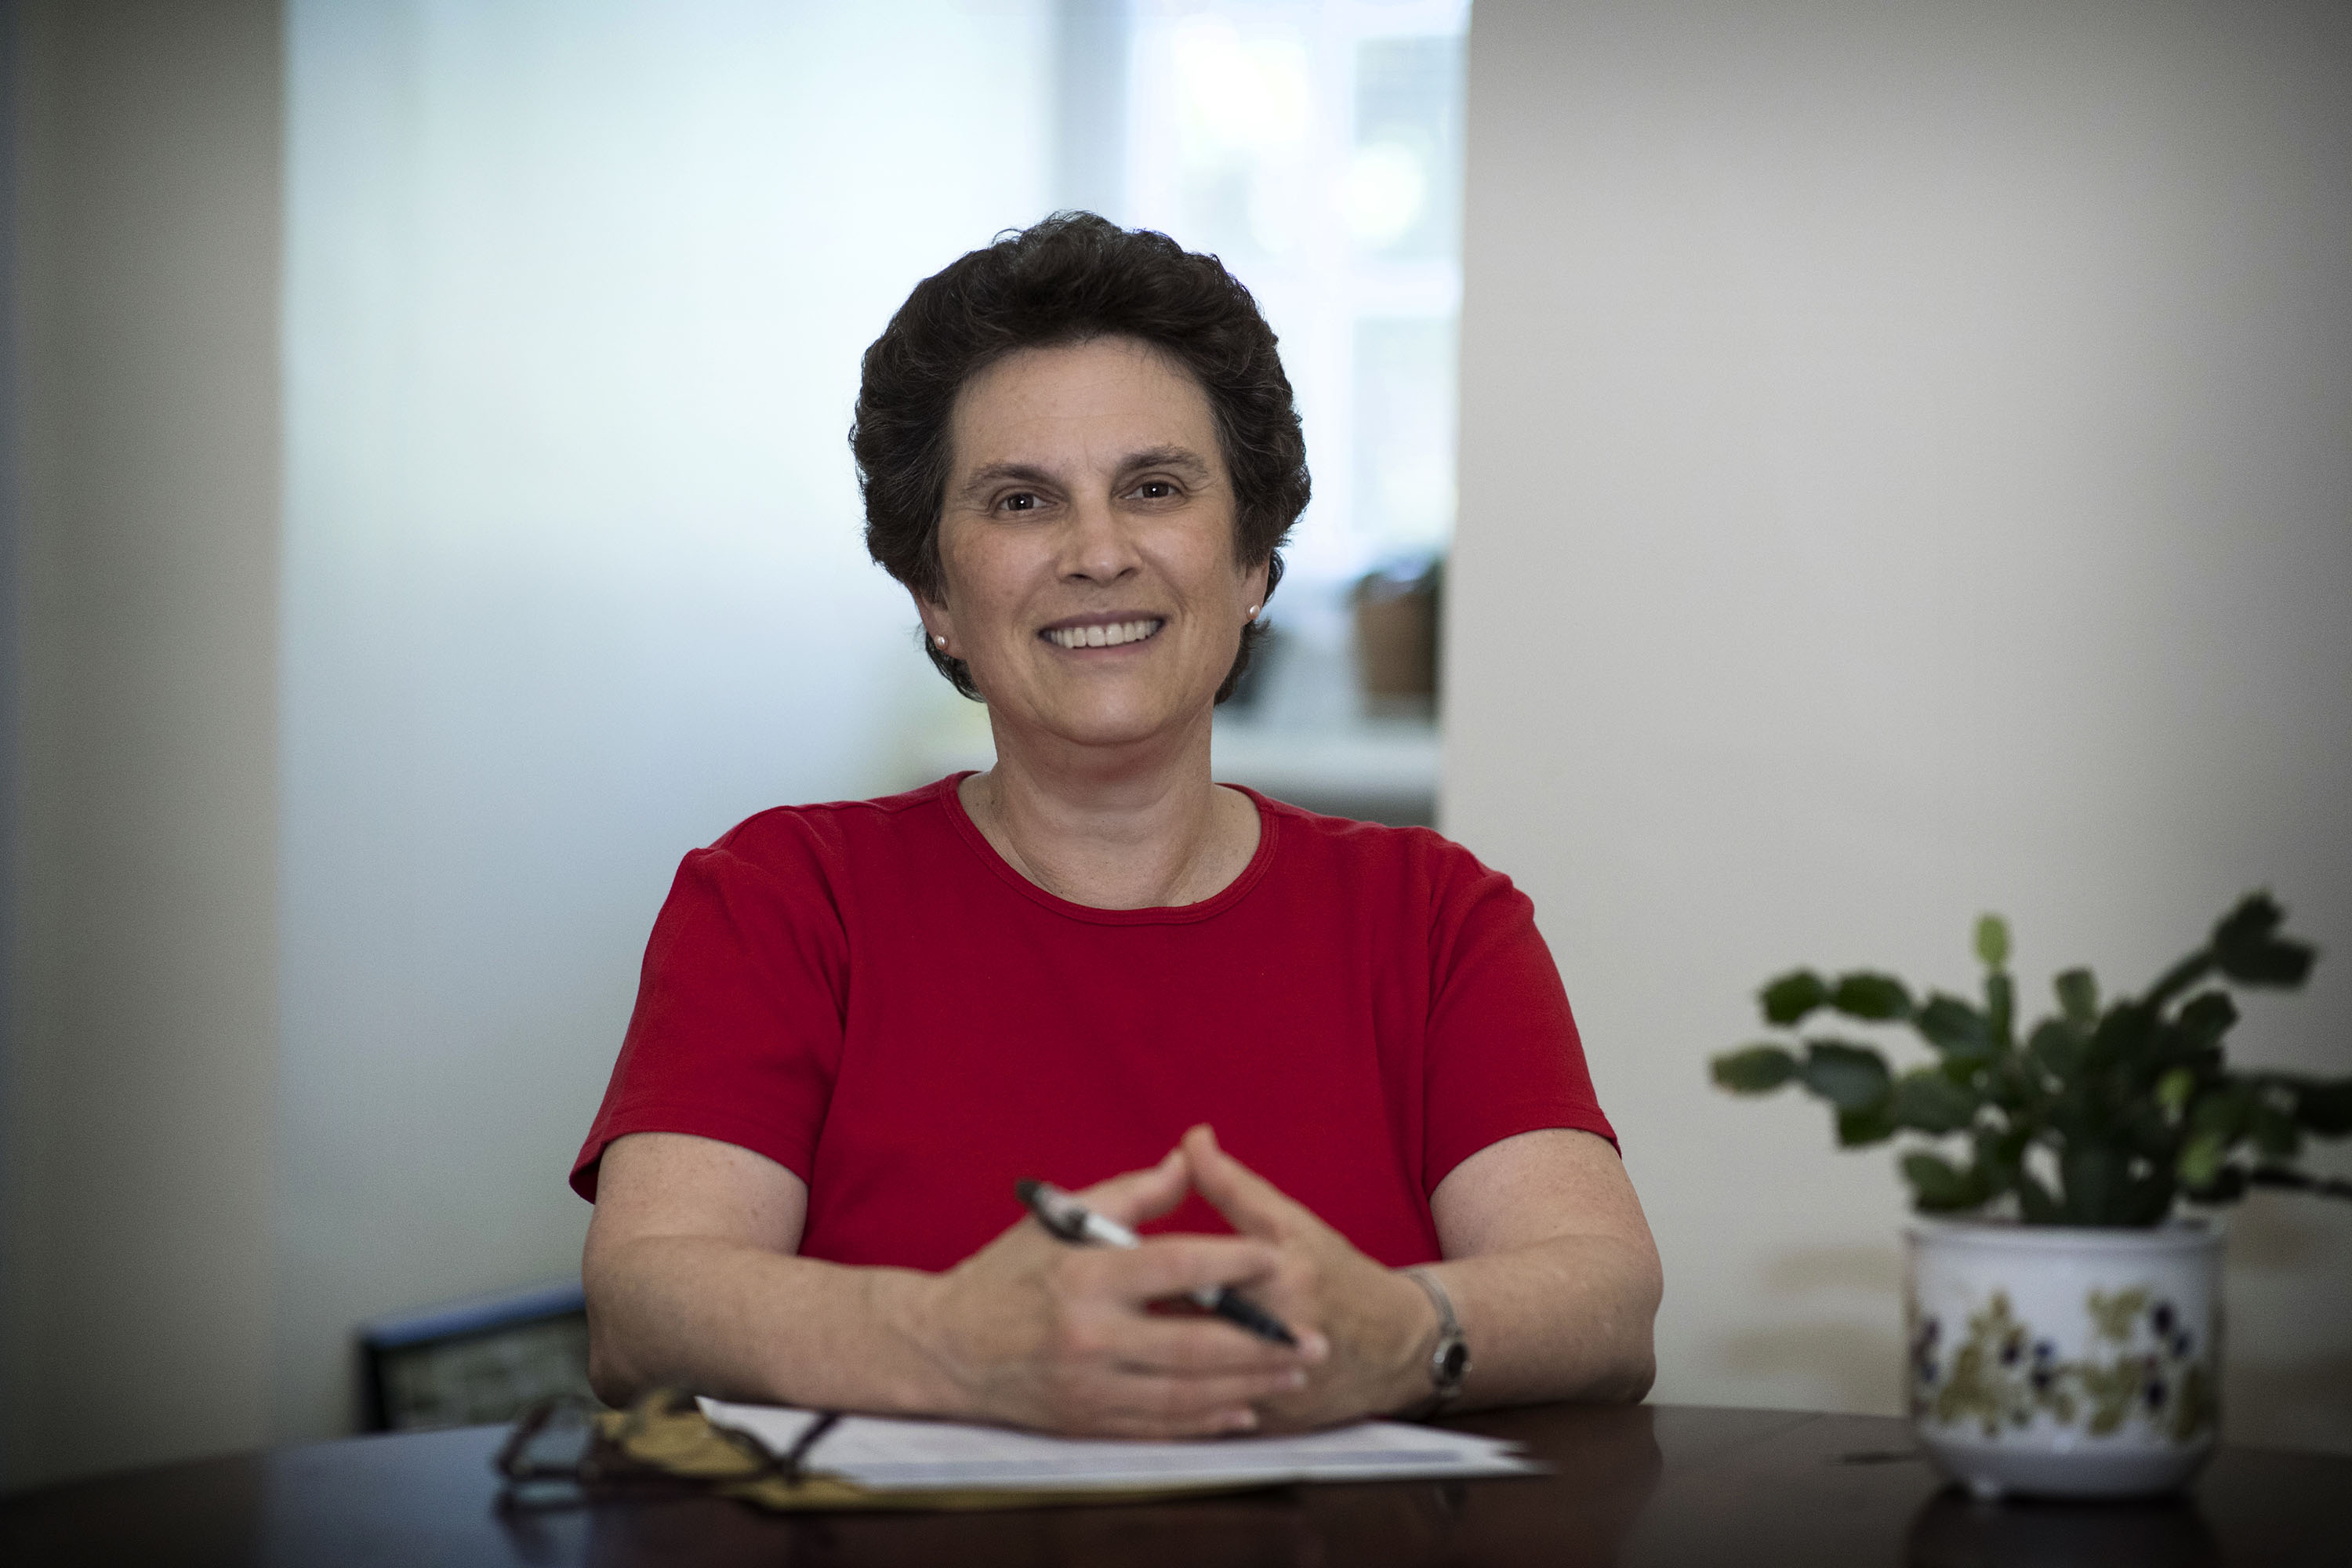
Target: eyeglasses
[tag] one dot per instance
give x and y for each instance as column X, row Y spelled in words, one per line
column 565, row 1451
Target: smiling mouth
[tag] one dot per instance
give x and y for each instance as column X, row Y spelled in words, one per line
column 1111, row 635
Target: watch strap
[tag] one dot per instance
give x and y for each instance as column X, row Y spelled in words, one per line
column 1449, row 1359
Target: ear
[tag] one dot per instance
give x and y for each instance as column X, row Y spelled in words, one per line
column 1253, row 587
column 937, row 622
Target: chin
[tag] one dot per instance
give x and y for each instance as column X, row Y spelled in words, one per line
column 1120, row 724
column 1108, row 731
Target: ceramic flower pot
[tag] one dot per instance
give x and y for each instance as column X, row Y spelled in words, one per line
column 2056, row 1362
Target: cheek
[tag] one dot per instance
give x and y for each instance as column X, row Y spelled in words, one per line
column 1204, row 568
column 977, row 579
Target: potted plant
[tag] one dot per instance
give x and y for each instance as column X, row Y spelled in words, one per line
column 2064, row 1325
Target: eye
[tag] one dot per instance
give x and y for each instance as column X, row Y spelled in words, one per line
column 1155, row 489
column 1019, row 500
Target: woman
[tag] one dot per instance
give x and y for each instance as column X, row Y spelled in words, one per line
column 859, row 1024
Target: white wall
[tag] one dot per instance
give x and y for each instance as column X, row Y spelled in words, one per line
column 575, row 297
column 1904, row 474
column 138, row 1062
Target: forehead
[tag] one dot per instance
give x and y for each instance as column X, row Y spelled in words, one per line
column 1085, row 404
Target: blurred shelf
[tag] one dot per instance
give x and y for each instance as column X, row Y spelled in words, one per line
column 1377, row 769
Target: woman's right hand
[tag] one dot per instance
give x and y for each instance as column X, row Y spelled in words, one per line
column 1031, row 1331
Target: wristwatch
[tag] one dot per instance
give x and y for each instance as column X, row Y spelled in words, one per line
column 1449, row 1361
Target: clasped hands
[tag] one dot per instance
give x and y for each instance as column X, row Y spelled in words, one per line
column 1031, row 1331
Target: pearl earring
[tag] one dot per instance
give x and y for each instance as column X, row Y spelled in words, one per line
column 940, row 641
column 1252, row 612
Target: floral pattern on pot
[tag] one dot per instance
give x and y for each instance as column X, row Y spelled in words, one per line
column 2144, row 1366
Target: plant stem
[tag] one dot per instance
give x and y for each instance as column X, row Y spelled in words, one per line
column 2180, row 978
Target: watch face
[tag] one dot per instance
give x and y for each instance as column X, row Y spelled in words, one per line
column 1456, row 1359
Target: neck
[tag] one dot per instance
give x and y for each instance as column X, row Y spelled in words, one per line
column 1124, row 827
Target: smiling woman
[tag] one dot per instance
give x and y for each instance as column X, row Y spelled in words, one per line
column 1090, row 511
column 860, row 1024
column 1071, row 282
column 1091, row 581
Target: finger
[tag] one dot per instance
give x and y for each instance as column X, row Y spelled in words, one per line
column 1293, row 1295
column 1226, row 1421
column 1176, row 1266
column 1146, row 1398
column 1141, row 1195
column 1201, row 1347
column 1251, row 1204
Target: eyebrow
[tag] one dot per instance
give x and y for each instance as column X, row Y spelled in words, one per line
column 1166, row 457
column 1182, row 457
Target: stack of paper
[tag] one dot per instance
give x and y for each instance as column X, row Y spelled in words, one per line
column 886, row 1454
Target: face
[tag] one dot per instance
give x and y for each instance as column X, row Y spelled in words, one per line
column 1086, row 543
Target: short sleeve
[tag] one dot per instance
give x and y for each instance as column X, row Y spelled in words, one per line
column 737, row 1032
column 1503, row 1054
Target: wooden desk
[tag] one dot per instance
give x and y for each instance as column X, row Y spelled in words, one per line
column 1651, row 1485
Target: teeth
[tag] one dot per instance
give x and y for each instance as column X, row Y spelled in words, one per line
column 1102, row 637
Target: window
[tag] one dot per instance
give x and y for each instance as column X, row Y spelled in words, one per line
column 1316, row 147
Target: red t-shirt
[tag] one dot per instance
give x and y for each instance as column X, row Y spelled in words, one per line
column 867, row 993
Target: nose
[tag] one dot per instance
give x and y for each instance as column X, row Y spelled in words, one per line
column 1096, row 546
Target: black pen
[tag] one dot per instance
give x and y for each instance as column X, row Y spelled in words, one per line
column 1072, row 1221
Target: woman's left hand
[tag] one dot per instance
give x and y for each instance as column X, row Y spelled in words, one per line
column 1379, row 1323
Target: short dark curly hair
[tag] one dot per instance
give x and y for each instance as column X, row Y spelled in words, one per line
column 1069, row 279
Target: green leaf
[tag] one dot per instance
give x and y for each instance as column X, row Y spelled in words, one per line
column 2001, row 1007
column 2013, row 1085
column 2034, row 1202
column 1850, row 1077
column 2200, row 1159
column 1927, row 1100
column 2207, row 1016
column 2057, row 1048
column 1992, row 940
column 2122, row 1035
column 2282, row 964
column 2222, row 1112
column 2256, row 918
column 2001, row 1154
column 2173, row 1089
column 1754, row 1070
column 2324, row 1106
column 2228, row 1184
column 2248, row 949
column 1791, row 997
column 2275, row 1132
column 1871, row 1124
column 1954, row 1027
column 2097, row 1184
column 1876, row 998
column 2147, row 1199
column 1941, row 1187
column 2078, row 997
column 2148, row 1133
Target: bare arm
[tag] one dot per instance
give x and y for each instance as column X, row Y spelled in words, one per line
column 693, row 1280
column 1548, row 1262
column 1551, row 1269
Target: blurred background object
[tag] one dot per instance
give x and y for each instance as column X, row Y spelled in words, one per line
column 1397, row 636
column 466, row 1362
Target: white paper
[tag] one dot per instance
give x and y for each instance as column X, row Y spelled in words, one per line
column 886, row 1454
